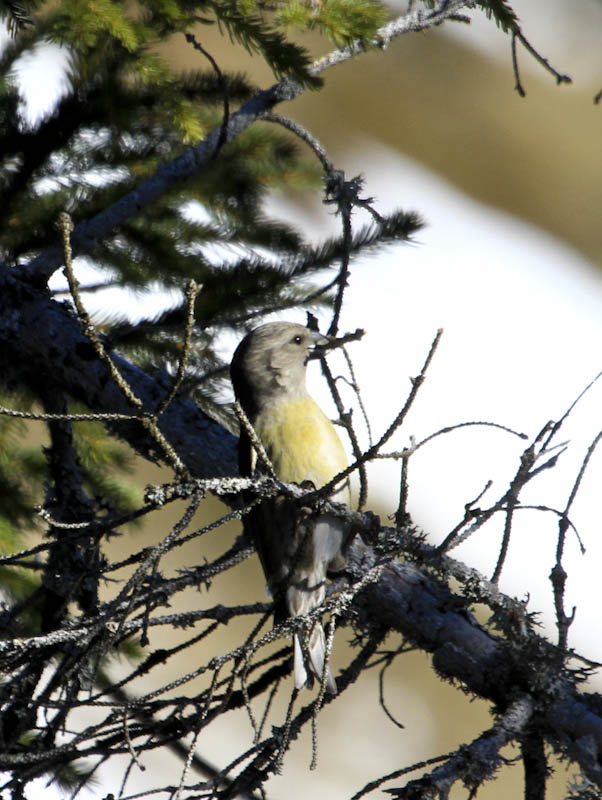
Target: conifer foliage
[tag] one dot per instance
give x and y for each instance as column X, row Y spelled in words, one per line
column 157, row 178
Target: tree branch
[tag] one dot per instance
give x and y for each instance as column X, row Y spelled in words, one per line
column 42, row 343
column 408, row 600
column 88, row 234
column 473, row 763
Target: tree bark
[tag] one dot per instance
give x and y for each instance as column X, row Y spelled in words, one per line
column 41, row 342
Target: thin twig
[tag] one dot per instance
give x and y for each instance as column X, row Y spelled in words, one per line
column 381, row 687
column 558, row 574
column 91, row 287
column 223, row 84
column 402, row 516
column 192, row 290
column 268, row 705
column 345, row 420
column 556, row 426
column 303, row 134
column 245, row 694
column 370, row 787
column 520, row 479
column 254, row 439
column 517, row 81
column 357, row 391
column 450, row 428
column 90, row 417
column 371, row 452
column 66, row 228
column 346, row 196
column 560, row 78
column 336, row 189
column 508, row 500
column 128, row 741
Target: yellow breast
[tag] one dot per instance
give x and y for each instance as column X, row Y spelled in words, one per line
column 302, row 443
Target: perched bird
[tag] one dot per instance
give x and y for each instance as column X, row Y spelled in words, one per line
column 296, row 547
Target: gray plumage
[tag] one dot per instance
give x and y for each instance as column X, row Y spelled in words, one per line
column 296, row 549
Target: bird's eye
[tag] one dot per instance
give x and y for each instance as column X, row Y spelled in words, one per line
column 297, row 339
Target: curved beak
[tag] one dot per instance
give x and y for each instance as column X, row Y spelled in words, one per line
column 320, row 343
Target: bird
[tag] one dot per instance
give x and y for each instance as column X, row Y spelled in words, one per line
column 296, row 548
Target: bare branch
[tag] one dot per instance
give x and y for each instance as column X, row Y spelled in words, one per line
column 475, row 762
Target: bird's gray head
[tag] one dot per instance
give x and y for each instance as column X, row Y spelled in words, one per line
column 270, row 361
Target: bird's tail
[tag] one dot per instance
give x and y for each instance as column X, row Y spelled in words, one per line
column 312, row 654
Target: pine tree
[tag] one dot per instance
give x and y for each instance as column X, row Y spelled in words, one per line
column 156, row 177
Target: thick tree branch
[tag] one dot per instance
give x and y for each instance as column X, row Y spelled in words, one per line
column 408, row 600
column 44, row 339
column 41, row 343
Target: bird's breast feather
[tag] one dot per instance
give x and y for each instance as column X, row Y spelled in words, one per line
column 301, row 442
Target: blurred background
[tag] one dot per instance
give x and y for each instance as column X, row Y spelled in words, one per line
column 509, row 266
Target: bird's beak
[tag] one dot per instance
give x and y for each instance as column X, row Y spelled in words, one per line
column 320, row 342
